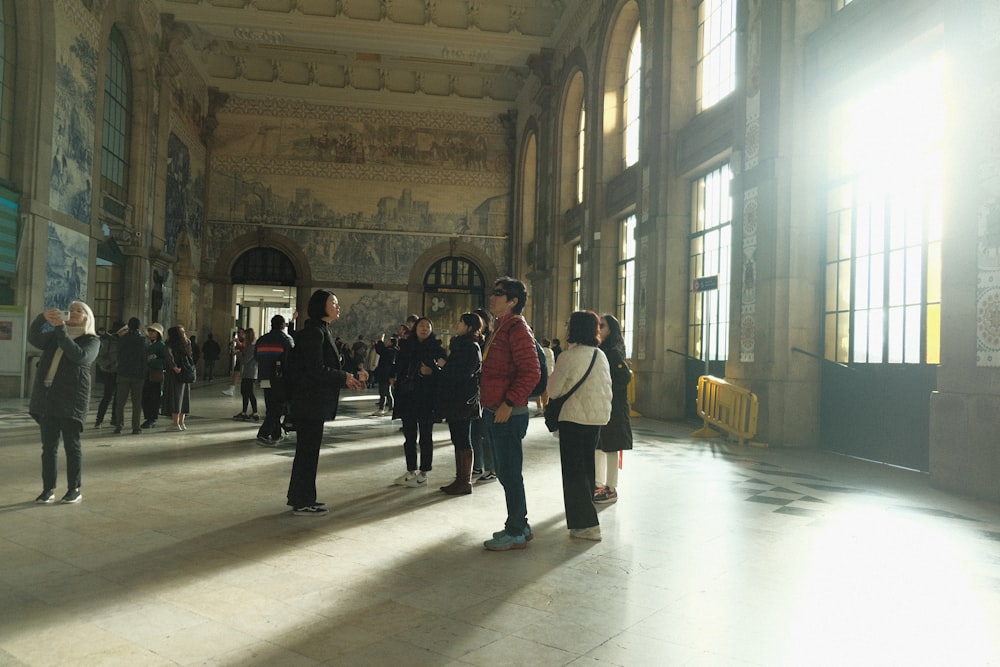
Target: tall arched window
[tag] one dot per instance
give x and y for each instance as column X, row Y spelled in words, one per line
column 632, row 101
column 117, row 119
column 716, row 73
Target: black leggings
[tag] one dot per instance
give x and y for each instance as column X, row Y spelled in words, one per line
column 246, row 390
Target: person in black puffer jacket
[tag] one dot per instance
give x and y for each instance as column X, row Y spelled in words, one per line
column 414, row 390
column 61, row 394
column 458, row 397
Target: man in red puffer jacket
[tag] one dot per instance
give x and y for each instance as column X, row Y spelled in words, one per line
column 510, row 373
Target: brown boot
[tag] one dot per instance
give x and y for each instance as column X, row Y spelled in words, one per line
column 448, row 489
column 462, row 486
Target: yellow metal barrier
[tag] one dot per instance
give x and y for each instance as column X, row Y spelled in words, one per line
column 632, row 393
column 728, row 407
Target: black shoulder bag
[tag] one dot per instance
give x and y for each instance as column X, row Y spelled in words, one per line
column 555, row 405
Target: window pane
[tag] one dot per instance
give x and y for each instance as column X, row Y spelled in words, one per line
column 632, row 101
column 710, row 251
column 885, row 186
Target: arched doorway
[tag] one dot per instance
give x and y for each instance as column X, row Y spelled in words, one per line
column 264, row 285
column 452, row 286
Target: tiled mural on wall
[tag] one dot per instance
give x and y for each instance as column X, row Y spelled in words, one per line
column 362, row 192
column 66, row 267
column 75, row 110
column 184, row 196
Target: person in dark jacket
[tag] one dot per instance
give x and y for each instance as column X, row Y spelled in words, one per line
column 458, row 397
column 271, row 352
column 133, row 357
column 107, row 372
column 210, row 351
column 616, row 435
column 386, row 364
column 414, row 395
column 176, row 393
column 152, row 390
column 317, row 381
column 61, row 394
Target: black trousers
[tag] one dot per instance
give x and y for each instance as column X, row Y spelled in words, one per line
column 577, row 443
column 302, row 485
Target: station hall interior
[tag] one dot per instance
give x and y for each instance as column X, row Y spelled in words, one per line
column 800, row 198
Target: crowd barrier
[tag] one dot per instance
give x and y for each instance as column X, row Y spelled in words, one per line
column 632, row 393
column 728, row 407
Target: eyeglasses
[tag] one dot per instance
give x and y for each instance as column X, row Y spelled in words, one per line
column 499, row 292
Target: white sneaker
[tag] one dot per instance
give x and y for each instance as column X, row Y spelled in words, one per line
column 420, row 479
column 593, row 533
column 405, row 478
column 229, row 392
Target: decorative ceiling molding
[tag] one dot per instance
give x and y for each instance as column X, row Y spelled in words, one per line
column 387, row 53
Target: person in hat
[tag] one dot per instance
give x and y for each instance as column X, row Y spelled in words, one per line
column 153, row 389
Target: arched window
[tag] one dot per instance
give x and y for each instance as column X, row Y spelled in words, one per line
column 263, row 266
column 716, row 72
column 452, row 286
column 117, row 119
column 632, row 101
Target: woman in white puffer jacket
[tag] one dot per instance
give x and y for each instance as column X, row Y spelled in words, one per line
column 581, row 419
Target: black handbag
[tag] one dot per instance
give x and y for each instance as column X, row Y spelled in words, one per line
column 555, row 405
column 188, row 373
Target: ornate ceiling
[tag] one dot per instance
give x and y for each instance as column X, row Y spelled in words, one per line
column 463, row 55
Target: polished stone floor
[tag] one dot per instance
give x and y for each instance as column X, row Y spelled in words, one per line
column 183, row 553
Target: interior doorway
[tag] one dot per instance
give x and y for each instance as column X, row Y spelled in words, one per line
column 264, row 285
column 255, row 305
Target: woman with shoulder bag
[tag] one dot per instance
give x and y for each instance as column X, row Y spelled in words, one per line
column 583, row 366
column 616, row 436
column 176, row 392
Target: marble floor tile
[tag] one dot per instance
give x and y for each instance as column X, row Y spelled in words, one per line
column 184, row 553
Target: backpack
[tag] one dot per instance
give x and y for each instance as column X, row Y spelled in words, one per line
column 107, row 358
column 543, row 379
column 188, row 373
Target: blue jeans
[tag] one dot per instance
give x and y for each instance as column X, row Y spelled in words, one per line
column 482, row 446
column 509, row 459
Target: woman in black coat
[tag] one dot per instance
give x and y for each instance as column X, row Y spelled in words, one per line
column 316, row 381
column 61, row 394
column 414, row 389
column 616, row 436
column 176, row 394
column 458, row 397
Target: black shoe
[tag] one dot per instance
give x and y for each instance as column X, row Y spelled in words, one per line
column 241, row 417
column 98, row 424
column 72, row 496
column 46, row 496
column 149, row 423
column 137, row 431
column 118, row 430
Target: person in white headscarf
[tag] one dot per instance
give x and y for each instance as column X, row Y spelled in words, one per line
column 61, row 394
